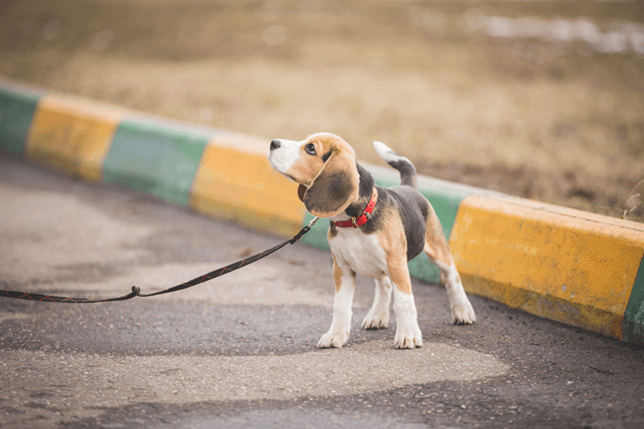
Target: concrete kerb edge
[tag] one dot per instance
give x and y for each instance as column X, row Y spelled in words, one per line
column 446, row 197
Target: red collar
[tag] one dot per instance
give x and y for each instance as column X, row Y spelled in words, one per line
column 355, row 222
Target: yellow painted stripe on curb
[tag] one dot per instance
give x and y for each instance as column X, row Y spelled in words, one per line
column 563, row 264
column 234, row 181
column 72, row 135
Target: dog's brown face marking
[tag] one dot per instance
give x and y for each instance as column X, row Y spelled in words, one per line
column 326, row 165
column 313, row 154
column 309, row 163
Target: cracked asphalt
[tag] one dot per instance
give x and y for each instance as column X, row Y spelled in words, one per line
column 240, row 351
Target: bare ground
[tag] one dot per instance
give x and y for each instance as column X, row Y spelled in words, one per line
column 535, row 117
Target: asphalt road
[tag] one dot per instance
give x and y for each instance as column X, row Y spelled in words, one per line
column 240, row 351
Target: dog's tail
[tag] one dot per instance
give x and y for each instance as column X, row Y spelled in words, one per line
column 400, row 163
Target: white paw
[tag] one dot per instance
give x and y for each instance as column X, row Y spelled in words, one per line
column 463, row 314
column 333, row 339
column 408, row 339
column 375, row 321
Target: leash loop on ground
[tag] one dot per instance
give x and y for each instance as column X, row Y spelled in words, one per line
column 66, row 300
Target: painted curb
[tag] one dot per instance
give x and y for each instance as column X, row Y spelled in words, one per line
column 566, row 265
column 218, row 173
column 574, row 267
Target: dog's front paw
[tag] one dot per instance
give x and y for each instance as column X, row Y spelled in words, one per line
column 408, row 338
column 375, row 321
column 463, row 314
column 333, row 339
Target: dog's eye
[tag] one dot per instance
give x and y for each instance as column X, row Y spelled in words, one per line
column 310, row 149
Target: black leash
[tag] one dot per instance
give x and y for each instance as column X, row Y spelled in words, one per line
column 50, row 298
column 136, row 291
column 232, row 267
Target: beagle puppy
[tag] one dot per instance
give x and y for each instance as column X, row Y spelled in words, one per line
column 374, row 232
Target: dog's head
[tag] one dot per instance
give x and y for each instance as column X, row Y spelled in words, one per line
column 324, row 165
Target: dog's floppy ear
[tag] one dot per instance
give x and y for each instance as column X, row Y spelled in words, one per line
column 301, row 190
column 335, row 186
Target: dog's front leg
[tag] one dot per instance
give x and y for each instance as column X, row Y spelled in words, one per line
column 378, row 316
column 345, row 284
column 408, row 334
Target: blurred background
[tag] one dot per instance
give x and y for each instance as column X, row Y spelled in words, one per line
column 538, row 99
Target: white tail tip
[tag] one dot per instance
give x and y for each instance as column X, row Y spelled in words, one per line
column 385, row 152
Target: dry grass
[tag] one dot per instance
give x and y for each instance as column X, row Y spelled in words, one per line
column 542, row 120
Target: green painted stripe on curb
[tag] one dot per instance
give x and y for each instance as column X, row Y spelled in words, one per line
column 445, row 205
column 154, row 158
column 444, row 196
column 316, row 237
column 16, row 113
column 633, row 326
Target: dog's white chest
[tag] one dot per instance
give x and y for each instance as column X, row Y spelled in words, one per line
column 361, row 252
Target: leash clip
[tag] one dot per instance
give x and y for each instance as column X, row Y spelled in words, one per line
column 304, row 230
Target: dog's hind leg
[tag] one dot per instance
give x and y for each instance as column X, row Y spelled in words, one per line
column 438, row 251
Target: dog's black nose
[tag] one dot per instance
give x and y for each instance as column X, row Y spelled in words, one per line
column 275, row 144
